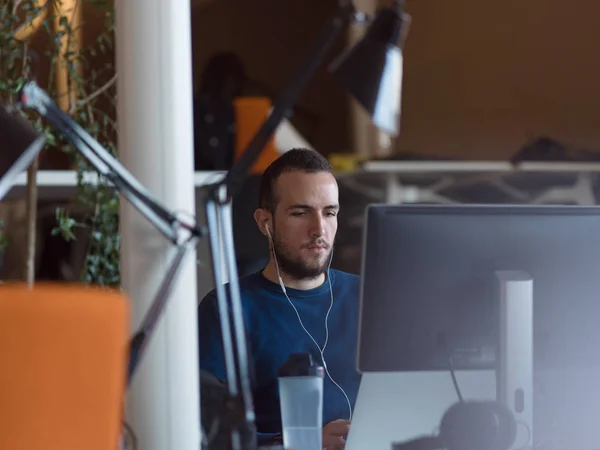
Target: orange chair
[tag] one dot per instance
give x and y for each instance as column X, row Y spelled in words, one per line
column 62, row 378
column 250, row 113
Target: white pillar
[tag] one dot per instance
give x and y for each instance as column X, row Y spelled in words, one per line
column 156, row 144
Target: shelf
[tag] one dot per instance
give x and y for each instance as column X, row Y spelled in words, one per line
column 61, row 184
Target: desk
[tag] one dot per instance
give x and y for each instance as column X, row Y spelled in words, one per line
column 436, row 181
column 60, row 185
column 59, row 188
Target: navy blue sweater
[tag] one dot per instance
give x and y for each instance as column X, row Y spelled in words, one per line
column 274, row 332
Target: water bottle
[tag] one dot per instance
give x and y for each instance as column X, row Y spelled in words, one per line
column 301, row 401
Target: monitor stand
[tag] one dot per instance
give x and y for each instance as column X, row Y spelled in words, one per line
column 515, row 351
column 400, row 406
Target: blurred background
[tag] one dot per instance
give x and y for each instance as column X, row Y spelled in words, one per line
column 483, row 81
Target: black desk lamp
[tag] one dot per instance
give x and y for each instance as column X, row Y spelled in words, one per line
column 371, row 71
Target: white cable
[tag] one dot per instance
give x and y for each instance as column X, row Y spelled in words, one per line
column 321, row 350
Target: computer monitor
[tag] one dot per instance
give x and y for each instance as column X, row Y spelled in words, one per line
column 430, row 298
column 429, row 288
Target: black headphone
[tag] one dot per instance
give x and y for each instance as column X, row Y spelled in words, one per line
column 474, row 425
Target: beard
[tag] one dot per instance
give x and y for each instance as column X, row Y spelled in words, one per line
column 295, row 266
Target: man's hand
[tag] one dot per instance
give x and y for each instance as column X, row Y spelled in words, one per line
column 333, row 434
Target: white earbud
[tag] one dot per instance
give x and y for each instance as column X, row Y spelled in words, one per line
column 268, row 230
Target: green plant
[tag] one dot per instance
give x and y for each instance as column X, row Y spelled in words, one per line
column 90, row 98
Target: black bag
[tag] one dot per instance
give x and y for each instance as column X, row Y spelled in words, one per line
column 214, row 133
column 223, row 79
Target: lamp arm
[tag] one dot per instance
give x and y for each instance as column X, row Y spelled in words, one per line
column 33, row 97
column 141, row 338
column 236, row 176
column 239, row 421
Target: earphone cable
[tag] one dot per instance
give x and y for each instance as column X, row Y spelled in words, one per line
column 321, row 350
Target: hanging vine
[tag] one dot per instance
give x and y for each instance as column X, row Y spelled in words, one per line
column 81, row 79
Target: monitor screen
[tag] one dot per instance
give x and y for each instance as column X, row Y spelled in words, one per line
column 429, row 291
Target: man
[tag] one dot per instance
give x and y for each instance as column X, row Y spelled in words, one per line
column 298, row 214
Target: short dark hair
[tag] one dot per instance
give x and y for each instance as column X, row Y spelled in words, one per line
column 296, row 159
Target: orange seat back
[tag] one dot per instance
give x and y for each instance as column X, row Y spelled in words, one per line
column 62, row 378
column 250, row 113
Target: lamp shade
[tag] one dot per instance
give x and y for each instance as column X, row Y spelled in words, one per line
column 19, row 145
column 371, row 71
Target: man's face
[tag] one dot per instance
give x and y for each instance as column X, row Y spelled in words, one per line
column 305, row 222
